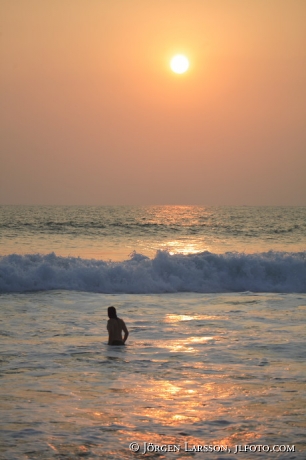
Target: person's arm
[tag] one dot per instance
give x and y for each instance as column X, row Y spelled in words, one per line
column 109, row 331
column 126, row 332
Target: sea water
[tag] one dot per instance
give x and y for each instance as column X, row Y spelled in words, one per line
column 215, row 302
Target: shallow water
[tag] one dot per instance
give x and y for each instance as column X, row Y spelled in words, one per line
column 206, row 369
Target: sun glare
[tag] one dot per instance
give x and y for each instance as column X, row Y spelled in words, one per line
column 179, row 63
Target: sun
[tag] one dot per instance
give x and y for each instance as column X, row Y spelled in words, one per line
column 179, row 63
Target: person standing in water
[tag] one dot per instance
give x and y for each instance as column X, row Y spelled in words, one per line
column 115, row 327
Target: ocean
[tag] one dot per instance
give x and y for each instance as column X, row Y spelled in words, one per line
column 214, row 299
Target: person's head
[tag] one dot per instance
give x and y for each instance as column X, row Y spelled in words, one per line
column 112, row 312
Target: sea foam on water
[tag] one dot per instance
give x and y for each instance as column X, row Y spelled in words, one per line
column 202, row 272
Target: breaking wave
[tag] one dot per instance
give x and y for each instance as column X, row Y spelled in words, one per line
column 204, row 272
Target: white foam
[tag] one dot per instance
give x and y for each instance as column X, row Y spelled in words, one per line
column 204, row 272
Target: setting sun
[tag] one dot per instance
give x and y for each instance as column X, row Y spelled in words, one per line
column 179, row 63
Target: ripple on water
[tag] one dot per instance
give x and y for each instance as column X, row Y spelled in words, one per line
column 194, row 373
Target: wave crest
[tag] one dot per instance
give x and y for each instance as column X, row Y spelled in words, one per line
column 205, row 272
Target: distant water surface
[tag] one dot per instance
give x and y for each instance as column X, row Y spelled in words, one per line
column 153, row 249
column 114, row 232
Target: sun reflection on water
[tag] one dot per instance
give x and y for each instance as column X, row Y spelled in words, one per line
column 184, row 247
column 176, row 404
column 191, row 402
column 172, row 318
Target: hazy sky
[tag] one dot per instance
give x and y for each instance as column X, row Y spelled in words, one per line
column 91, row 112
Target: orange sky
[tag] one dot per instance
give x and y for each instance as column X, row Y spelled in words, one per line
column 92, row 114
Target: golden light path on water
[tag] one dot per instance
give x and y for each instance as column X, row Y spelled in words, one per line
column 115, row 232
column 180, row 404
column 191, row 401
column 202, row 369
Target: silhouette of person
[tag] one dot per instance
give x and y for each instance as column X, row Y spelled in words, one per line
column 115, row 327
